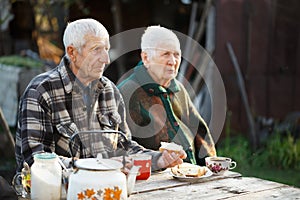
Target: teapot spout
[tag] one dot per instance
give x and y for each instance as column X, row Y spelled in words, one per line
column 134, row 170
column 131, row 178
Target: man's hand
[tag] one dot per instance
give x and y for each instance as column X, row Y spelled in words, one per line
column 170, row 159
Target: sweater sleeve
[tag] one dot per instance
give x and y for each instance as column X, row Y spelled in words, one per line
column 203, row 137
column 134, row 147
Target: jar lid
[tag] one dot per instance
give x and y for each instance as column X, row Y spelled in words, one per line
column 98, row 164
column 45, row 156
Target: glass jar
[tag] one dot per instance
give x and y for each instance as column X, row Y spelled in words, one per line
column 46, row 177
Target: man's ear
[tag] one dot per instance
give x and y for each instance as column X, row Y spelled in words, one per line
column 145, row 58
column 71, row 53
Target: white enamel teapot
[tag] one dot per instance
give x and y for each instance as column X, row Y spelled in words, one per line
column 100, row 178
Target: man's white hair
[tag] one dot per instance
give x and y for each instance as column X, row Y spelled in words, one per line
column 156, row 35
column 76, row 31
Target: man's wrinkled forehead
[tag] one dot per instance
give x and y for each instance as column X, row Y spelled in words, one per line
column 93, row 38
column 100, row 35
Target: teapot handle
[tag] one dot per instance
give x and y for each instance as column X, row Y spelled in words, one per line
column 124, row 144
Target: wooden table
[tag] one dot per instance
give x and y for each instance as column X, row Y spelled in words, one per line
column 231, row 185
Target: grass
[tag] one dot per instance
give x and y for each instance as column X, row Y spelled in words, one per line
column 15, row 60
column 277, row 160
column 288, row 176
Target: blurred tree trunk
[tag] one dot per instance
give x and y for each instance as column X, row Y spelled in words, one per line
column 117, row 19
column 5, row 18
column 22, row 27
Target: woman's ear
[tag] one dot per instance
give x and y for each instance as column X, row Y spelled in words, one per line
column 145, row 58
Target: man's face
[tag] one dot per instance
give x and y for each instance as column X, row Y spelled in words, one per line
column 164, row 64
column 90, row 62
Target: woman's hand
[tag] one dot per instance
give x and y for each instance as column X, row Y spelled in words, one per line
column 171, row 159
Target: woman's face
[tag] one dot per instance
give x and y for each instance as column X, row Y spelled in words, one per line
column 163, row 66
column 91, row 60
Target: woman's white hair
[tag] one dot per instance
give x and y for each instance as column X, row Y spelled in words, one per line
column 76, row 31
column 154, row 36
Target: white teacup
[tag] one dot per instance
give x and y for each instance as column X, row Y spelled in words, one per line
column 219, row 165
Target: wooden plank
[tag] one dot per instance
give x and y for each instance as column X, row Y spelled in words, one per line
column 244, row 95
column 284, row 192
column 229, row 188
column 237, row 187
column 164, row 179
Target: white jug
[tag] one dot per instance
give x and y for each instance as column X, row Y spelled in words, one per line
column 46, row 177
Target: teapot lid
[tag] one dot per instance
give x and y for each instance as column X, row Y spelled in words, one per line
column 98, row 164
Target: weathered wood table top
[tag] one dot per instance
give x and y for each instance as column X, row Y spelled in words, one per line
column 231, row 185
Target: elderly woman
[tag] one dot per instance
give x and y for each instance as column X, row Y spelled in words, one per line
column 158, row 106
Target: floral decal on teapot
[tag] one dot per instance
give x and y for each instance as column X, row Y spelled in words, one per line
column 106, row 194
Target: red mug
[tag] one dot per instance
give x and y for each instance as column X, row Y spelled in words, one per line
column 144, row 161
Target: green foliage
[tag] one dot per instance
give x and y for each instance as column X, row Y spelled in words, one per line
column 20, row 61
column 238, row 149
column 282, row 151
column 278, row 159
column 235, row 146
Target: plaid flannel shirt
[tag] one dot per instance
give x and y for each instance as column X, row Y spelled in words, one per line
column 52, row 109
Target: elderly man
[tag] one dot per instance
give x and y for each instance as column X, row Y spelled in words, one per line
column 75, row 97
column 159, row 108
